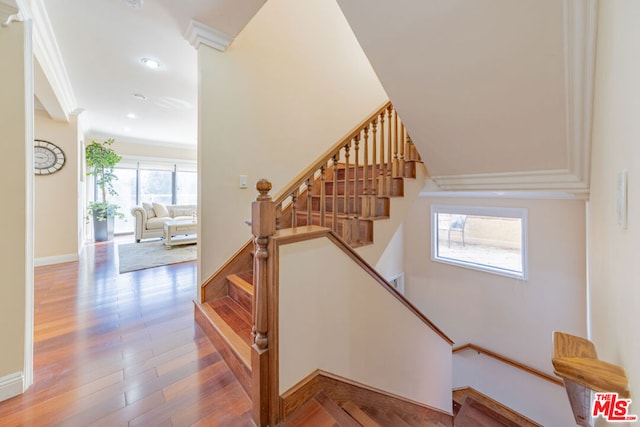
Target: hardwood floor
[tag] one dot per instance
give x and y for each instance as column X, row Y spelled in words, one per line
column 123, row 349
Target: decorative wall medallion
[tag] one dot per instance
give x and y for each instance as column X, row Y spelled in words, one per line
column 47, row 157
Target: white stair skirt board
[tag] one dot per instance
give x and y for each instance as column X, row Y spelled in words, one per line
column 11, row 385
column 58, row 259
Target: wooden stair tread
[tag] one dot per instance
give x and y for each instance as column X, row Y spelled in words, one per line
column 359, row 415
column 320, row 411
column 460, row 396
column 239, row 279
column 235, row 316
column 235, row 341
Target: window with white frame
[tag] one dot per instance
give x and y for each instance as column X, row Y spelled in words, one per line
column 483, row 238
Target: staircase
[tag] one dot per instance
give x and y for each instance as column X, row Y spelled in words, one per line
column 347, row 190
column 227, row 316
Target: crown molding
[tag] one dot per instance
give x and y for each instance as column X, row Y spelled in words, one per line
column 48, row 54
column 580, row 21
column 561, row 180
column 7, row 11
column 198, row 33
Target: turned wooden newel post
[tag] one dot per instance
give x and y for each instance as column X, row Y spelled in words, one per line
column 263, row 225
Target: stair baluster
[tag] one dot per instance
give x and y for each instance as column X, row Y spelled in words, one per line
column 334, row 198
column 389, row 146
column 394, row 167
column 364, row 205
column 374, row 169
column 309, row 201
column 355, row 226
column 381, row 173
column 294, row 208
column 323, row 203
column 402, row 157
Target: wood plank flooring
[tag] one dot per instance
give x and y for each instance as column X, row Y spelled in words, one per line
column 123, row 350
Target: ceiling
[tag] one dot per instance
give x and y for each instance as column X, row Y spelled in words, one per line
column 102, row 43
column 496, row 94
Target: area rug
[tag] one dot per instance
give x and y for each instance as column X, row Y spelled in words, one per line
column 138, row 256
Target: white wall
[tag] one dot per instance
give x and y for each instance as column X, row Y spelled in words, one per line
column 506, row 315
column 531, row 396
column 56, row 195
column 291, row 85
column 348, row 324
column 614, row 267
column 16, row 174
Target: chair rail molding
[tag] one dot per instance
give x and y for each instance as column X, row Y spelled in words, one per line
column 198, row 33
column 580, row 25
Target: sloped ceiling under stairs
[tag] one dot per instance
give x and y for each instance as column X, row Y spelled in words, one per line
column 496, row 94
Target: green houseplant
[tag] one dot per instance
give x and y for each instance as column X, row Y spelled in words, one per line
column 101, row 159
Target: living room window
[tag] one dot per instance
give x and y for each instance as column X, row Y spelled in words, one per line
column 138, row 182
column 481, row 238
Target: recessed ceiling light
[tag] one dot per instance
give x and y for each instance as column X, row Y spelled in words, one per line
column 150, row 63
column 131, row 116
column 139, row 96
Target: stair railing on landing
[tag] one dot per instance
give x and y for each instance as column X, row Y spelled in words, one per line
column 264, row 351
column 377, row 149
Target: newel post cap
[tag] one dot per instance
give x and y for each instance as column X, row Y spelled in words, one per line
column 263, row 211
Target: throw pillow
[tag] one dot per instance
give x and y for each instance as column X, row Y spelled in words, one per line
column 148, row 207
column 161, row 210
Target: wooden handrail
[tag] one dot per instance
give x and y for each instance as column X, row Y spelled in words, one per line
column 575, row 359
column 508, row 361
column 321, row 161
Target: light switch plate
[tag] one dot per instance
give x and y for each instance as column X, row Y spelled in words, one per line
column 244, row 179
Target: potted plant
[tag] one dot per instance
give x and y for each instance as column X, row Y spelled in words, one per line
column 101, row 159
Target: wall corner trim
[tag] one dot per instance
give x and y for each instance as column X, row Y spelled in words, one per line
column 47, row 52
column 58, row 259
column 11, row 385
column 198, row 33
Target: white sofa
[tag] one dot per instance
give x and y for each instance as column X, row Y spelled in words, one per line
column 150, row 218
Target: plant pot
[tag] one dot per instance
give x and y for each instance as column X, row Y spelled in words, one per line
column 103, row 229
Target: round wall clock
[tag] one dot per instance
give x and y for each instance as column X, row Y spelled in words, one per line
column 47, row 157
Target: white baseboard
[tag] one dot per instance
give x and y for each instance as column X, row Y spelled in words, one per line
column 11, row 385
column 58, row 259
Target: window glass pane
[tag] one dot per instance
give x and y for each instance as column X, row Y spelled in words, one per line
column 186, row 188
column 155, row 186
column 125, row 186
column 473, row 238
